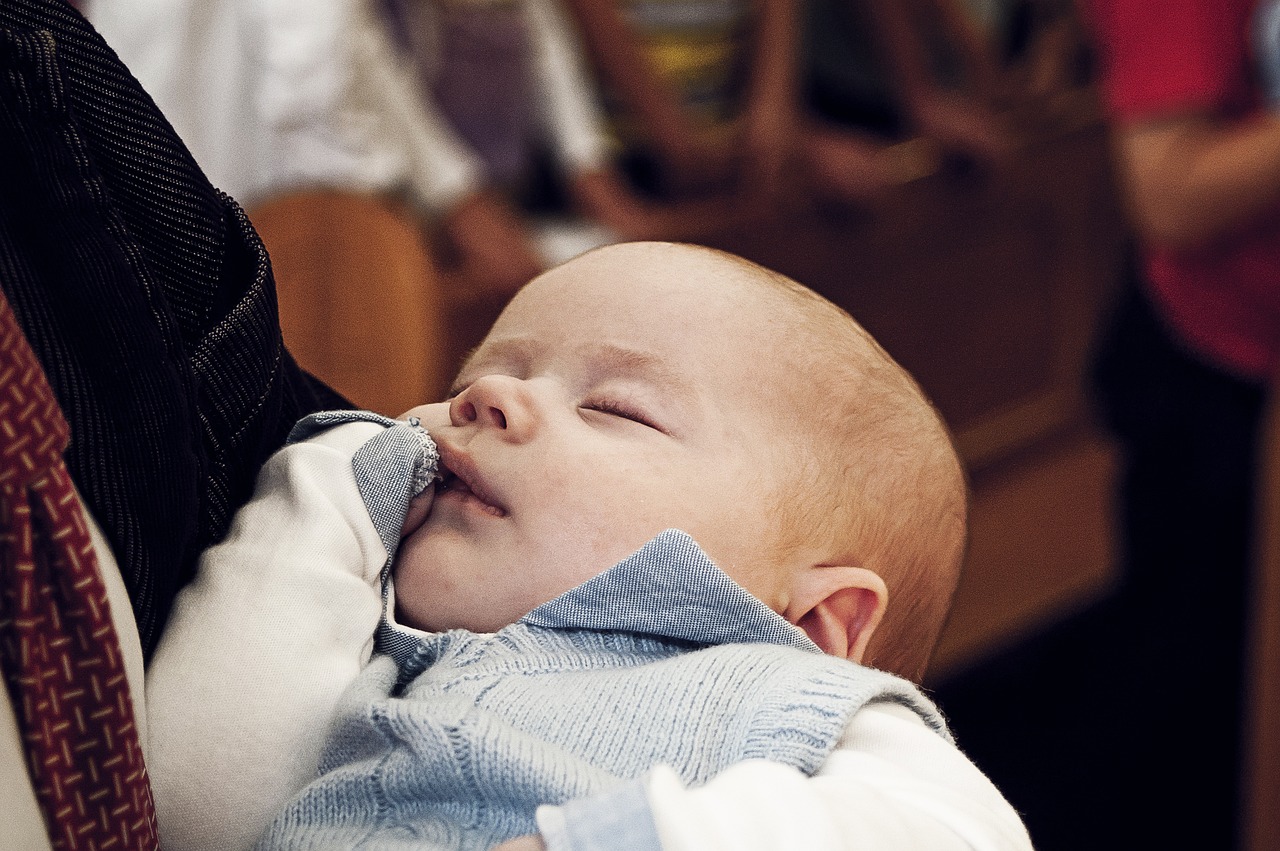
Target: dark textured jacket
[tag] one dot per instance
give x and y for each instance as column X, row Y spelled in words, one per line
column 148, row 298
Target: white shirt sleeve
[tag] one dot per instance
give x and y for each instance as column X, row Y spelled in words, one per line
column 892, row 783
column 567, row 94
column 278, row 95
column 440, row 168
column 344, row 107
column 260, row 646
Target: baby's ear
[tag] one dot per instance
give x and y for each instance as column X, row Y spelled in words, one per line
column 838, row 607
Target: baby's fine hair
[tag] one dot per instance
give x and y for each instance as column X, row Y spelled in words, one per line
column 878, row 479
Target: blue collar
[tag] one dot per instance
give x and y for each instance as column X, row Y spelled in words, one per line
column 669, row 588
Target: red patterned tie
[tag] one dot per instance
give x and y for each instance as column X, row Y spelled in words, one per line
column 58, row 647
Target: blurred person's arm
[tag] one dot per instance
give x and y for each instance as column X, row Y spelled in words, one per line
column 772, row 114
column 567, row 97
column 1191, row 180
column 1198, row 157
column 494, row 249
column 365, row 110
column 575, row 123
column 619, row 56
column 346, row 109
column 958, row 121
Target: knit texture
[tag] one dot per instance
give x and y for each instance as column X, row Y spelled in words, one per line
column 558, row 707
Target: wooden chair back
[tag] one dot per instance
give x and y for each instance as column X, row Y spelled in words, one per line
column 359, row 295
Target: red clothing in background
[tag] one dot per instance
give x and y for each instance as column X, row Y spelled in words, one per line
column 1166, row 57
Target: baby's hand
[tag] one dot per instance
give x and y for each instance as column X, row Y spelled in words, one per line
column 419, row 508
column 420, row 505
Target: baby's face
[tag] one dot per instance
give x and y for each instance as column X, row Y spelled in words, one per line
column 620, row 395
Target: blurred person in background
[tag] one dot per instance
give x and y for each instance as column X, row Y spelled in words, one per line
column 508, row 77
column 273, row 97
column 1191, row 87
column 342, row 125
column 303, row 113
column 785, row 101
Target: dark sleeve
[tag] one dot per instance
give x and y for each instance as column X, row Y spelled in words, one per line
column 146, row 295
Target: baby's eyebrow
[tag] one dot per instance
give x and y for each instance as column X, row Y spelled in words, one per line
column 634, row 363
column 604, row 360
column 512, row 353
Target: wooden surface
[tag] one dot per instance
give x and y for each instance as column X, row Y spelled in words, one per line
column 359, row 296
column 1042, row 547
column 989, row 293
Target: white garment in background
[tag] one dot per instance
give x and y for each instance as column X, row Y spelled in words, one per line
column 276, row 95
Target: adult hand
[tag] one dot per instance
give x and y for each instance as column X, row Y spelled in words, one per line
column 967, row 131
column 522, row 843
column 495, row 252
column 603, row 197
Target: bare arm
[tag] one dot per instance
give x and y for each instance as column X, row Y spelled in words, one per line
column 771, row 116
column 1191, row 180
column 617, row 55
column 959, row 120
column 492, row 244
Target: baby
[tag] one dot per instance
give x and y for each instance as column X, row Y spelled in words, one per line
column 668, row 478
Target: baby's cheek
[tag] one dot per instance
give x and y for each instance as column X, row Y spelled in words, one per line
column 422, row 412
column 412, row 585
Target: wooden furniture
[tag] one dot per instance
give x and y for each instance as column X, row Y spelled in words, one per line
column 989, row 293
column 360, row 300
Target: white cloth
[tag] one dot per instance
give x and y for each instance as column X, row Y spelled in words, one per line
column 258, row 648
column 892, row 783
column 275, row 95
column 279, row 621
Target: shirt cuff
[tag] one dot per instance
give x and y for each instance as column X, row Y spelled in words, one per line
column 617, row 820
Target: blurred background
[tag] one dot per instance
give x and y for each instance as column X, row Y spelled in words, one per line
column 940, row 168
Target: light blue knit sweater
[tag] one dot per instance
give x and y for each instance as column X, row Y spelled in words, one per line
column 661, row 659
column 562, row 706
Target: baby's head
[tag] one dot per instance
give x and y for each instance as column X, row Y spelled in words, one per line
column 649, row 386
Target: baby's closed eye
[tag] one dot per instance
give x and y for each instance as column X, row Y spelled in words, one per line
column 622, row 410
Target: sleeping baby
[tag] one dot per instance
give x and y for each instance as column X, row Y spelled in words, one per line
column 657, row 575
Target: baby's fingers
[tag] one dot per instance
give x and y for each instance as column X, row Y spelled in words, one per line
column 419, row 508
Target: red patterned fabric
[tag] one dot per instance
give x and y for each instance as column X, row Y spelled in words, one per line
column 58, row 647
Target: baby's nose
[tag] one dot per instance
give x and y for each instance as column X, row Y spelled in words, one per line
column 498, row 402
